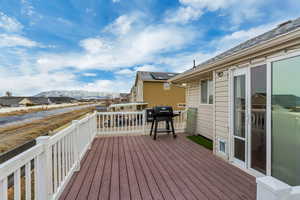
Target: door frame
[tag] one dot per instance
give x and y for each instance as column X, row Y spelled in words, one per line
column 249, row 138
column 269, row 105
column 237, row 72
column 247, row 72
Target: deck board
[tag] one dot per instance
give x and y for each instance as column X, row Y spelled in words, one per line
column 138, row 168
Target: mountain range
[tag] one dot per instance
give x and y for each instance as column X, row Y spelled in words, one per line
column 78, row 94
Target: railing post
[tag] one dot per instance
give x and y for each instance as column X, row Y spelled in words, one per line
column 272, row 189
column 44, row 170
column 76, row 146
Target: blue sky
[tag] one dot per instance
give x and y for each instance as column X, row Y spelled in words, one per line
column 98, row 45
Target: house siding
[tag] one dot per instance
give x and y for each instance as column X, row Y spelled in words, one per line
column 205, row 112
column 221, row 107
column 155, row 95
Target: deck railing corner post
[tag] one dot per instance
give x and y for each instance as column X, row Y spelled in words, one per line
column 76, row 146
column 43, row 169
column 272, row 189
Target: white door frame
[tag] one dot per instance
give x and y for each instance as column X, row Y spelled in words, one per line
column 269, row 105
column 236, row 72
column 249, row 138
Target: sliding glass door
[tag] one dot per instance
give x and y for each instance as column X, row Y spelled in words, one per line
column 257, row 146
column 285, row 115
column 239, row 117
column 249, row 118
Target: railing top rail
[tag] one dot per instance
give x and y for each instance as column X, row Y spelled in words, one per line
column 120, row 113
column 15, row 163
column 59, row 135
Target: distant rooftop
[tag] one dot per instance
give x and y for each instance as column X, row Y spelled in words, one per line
column 155, row 76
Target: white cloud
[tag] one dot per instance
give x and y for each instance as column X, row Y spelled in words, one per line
column 11, row 40
column 89, row 74
column 115, row 1
column 9, row 24
column 134, row 48
column 237, row 11
column 183, row 15
column 123, row 24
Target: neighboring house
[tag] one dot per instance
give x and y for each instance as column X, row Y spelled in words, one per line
column 153, row 88
column 240, row 96
column 33, row 101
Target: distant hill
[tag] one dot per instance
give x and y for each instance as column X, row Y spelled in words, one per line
column 77, row 94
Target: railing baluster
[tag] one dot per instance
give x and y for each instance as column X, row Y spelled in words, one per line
column 3, row 189
column 28, row 181
column 17, row 184
column 55, row 166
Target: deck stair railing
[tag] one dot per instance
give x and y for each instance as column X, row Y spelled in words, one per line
column 43, row 171
column 133, row 123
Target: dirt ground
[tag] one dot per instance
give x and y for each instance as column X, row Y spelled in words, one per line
column 16, row 135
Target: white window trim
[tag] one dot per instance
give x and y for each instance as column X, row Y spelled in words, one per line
column 207, row 103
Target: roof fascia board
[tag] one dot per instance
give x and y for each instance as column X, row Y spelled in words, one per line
column 274, row 42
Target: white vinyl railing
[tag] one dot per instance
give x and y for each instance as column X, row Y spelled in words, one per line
column 123, row 123
column 43, row 171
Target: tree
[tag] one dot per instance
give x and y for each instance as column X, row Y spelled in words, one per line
column 8, row 93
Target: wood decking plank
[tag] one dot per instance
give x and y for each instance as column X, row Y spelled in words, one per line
column 84, row 190
column 154, row 189
column 132, row 179
column 182, row 183
column 237, row 183
column 139, row 168
column 143, row 185
column 124, row 180
column 169, row 160
column 96, row 184
column 165, row 182
column 115, row 175
column 81, row 175
column 159, row 186
column 209, row 184
column 106, row 177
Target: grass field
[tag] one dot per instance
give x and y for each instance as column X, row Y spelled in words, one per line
column 201, row 141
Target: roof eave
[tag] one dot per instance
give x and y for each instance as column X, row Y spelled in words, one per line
column 246, row 52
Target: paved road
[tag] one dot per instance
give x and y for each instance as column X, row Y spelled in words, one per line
column 12, row 120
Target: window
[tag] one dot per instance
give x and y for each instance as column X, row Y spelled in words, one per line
column 207, row 92
column 285, row 120
column 166, row 86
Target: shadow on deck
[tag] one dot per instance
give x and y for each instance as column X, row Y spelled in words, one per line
column 136, row 167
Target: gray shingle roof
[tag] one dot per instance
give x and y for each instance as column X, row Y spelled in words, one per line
column 278, row 31
column 155, row 76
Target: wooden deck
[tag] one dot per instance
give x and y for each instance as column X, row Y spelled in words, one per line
column 138, row 168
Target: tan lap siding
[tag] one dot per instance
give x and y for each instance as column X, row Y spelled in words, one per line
column 205, row 121
column 221, row 108
column 205, row 112
column 193, row 94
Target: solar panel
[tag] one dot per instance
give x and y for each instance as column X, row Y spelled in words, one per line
column 162, row 76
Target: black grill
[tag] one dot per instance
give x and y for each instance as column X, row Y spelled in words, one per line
column 161, row 113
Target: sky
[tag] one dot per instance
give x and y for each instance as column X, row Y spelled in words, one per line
column 98, row 45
